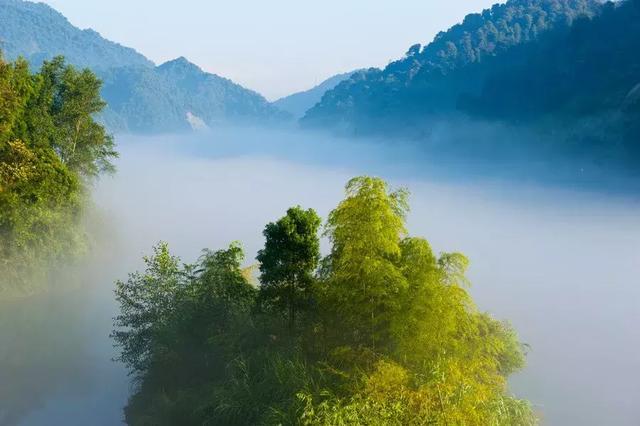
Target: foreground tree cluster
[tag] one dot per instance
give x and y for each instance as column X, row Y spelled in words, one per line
column 379, row 332
column 50, row 148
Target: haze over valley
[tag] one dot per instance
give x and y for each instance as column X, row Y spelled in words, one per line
column 449, row 239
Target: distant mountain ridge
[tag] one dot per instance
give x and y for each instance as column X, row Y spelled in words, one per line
column 38, row 32
column 212, row 97
column 538, row 79
column 429, row 79
column 299, row 103
column 167, row 98
column 142, row 98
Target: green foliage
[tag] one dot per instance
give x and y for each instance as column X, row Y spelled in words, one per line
column 170, row 302
column 390, row 337
column 50, row 148
column 389, row 396
column 73, row 99
column 366, row 230
column 288, row 261
column 147, row 301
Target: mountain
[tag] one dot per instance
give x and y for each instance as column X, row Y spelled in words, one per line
column 538, row 79
column 299, row 103
column 586, row 70
column 214, row 98
column 430, row 79
column 141, row 97
column 175, row 95
column 38, row 32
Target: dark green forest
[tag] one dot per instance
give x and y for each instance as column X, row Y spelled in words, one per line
column 432, row 77
column 563, row 72
column 51, row 149
column 382, row 331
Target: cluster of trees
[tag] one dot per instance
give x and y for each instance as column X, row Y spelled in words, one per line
column 50, row 149
column 380, row 331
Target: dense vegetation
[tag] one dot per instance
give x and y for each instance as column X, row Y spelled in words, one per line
column 581, row 82
column 535, row 67
column 141, row 97
column 430, row 78
column 380, row 331
column 50, row 149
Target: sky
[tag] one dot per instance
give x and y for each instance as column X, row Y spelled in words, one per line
column 275, row 47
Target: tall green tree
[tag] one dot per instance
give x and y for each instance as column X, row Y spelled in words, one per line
column 147, row 301
column 288, row 260
column 366, row 230
column 50, row 148
column 73, row 99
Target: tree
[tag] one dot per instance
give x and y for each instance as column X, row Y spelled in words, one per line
column 366, row 230
column 146, row 301
column 50, row 146
column 413, row 50
column 73, row 98
column 288, row 261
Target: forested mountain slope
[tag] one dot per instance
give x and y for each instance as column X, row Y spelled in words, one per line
column 563, row 75
column 37, row 32
column 169, row 97
column 141, row 97
column 430, row 78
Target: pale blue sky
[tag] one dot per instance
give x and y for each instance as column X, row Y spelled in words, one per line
column 275, row 47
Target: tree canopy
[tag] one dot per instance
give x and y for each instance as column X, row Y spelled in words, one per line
column 288, row 262
column 390, row 334
column 51, row 148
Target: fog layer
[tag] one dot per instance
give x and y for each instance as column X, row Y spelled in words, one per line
column 560, row 264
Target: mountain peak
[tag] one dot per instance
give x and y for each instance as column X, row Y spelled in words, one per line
column 180, row 63
column 39, row 32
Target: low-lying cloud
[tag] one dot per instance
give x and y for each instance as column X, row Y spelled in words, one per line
column 559, row 264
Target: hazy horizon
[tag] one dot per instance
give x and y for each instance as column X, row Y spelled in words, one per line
column 275, row 48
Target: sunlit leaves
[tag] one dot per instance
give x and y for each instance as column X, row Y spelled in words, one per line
column 364, row 283
column 50, row 147
column 391, row 336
